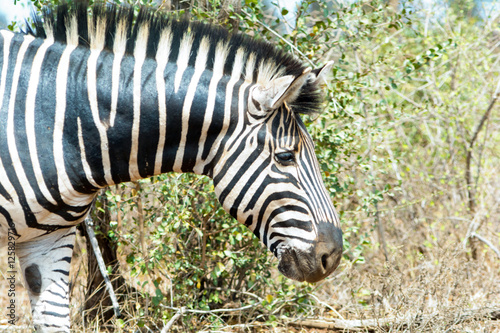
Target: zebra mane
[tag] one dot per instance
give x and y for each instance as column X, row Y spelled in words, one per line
column 106, row 25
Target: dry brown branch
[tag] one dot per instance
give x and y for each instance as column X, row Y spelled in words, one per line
column 468, row 176
column 142, row 236
column 172, row 320
column 102, row 265
column 118, row 210
column 140, row 214
column 243, row 308
column 376, row 324
column 378, row 221
column 487, row 242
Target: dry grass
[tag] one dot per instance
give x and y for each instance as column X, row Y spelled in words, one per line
column 441, row 291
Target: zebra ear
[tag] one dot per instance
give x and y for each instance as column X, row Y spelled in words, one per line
column 279, row 90
column 320, row 74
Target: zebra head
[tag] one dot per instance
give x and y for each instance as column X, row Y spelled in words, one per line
column 278, row 191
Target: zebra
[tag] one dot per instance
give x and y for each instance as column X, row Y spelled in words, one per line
column 88, row 101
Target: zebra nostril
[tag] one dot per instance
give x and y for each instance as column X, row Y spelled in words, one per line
column 324, row 261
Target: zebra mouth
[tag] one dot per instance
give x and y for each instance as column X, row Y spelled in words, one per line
column 311, row 266
column 293, row 264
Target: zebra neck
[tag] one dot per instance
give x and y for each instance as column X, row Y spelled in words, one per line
column 150, row 118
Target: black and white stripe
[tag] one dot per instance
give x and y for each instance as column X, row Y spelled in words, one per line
column 87, row 102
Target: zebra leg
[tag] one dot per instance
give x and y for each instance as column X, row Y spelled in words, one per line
column 45, row 264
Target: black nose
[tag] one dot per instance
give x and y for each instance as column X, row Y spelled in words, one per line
column 327, row 252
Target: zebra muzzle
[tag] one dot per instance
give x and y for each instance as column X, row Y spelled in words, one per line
column 319, row 262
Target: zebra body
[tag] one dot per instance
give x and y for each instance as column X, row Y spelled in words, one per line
column 87, row 103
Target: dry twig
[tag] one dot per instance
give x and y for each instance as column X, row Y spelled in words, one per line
column 102, row 266
column 468, row 173
column 376, row 324
column 487, row 242
column 172, row 320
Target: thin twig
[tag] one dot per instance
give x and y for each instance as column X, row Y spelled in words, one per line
column 214, row 310
column 260, row 299
column 327, row 306
column 281, row 37
column 379, row 223
column 406, row 98
column 487, row 242
column 172, row 320
column 140, row 214
column 468, row 159
column 102, row 266
column 384, row 324
column 142, row 236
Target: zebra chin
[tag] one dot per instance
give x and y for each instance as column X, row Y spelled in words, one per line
column 317, row 263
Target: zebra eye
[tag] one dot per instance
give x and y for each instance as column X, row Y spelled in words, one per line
column 285, row 158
